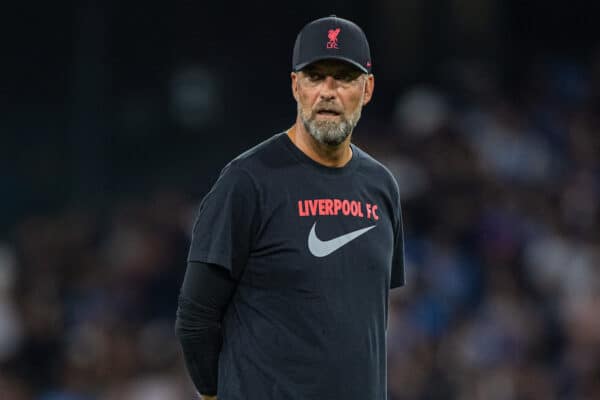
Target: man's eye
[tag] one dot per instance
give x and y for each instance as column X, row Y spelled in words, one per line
column 347, row 77
column 343, row 77
column 315, row 77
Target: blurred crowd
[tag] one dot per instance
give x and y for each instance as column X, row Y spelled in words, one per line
column 500, row 180
column 501, row 184
column 89, row 300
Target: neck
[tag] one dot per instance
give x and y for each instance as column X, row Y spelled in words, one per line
column 330, row 156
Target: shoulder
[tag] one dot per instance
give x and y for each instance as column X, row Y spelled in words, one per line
column 255, row 158
column 245, row 170
column 374, row 169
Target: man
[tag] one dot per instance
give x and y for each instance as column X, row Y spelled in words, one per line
column 296, row 246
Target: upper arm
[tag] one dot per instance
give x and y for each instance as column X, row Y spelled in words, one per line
column 226, row 222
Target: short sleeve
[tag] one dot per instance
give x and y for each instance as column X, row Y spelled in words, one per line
column 397, row 276
column 226, row 222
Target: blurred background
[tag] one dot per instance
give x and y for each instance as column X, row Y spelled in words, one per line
column 118, row 116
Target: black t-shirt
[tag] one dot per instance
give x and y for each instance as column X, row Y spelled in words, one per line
column 315, row 251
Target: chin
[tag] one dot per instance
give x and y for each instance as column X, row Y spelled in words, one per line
column 333, row 141
column 328, row 132
column 330, row 137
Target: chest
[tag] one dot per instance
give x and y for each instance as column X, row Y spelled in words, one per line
column 315, row 232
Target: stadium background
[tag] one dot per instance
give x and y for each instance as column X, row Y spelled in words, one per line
column 118, row 116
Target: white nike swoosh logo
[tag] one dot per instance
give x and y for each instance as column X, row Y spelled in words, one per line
column 322, row 248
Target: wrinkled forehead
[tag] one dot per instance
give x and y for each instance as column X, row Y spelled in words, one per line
column 331, row 67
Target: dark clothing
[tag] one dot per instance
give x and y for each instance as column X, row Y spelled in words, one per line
column 314, row 251
column 205, row 294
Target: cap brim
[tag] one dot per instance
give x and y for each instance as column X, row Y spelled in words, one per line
column 349, row 61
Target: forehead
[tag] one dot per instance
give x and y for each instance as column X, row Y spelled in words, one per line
column 331, row 66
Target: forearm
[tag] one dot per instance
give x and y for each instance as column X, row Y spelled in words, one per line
column 201, row 344
column 205, row 294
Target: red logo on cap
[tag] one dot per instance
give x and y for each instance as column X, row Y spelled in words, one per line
column 333, row 38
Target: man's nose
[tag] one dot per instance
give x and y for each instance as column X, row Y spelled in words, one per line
column 328, row 88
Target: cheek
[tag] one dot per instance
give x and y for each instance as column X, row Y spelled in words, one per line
column 306, row 98
column 352, row 101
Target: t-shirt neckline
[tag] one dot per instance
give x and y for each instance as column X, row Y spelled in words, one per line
column 299, row 154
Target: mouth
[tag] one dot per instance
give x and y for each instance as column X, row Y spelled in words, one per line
column 328, row 112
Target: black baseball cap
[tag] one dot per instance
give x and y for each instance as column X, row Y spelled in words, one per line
column 332, row 38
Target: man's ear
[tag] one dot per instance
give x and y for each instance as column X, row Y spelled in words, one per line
column 369, row 87
column 294, row 78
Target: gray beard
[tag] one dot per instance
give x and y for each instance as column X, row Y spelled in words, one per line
column 330, row 133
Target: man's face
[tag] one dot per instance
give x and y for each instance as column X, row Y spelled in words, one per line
column 330, row 95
